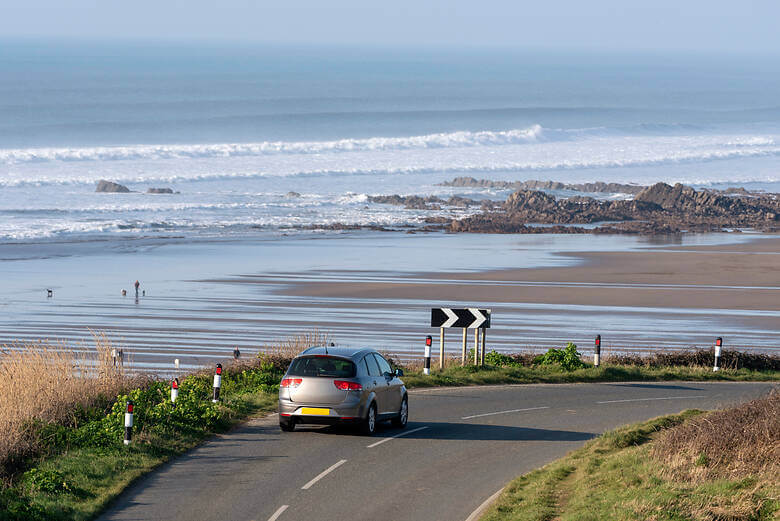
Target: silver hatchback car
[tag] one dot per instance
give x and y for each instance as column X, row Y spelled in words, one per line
column 332, row 385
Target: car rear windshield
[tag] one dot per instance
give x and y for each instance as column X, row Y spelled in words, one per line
column 322, row 366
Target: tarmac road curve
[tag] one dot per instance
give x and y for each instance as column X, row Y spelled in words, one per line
column 460, row 447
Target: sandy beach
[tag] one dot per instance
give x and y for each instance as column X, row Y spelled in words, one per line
column 737, row 276
column 205, row 298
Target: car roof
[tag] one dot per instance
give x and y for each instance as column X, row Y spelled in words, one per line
column 344, row 352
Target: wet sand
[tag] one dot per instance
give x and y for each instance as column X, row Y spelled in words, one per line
column 205, row 298
column 740, row 276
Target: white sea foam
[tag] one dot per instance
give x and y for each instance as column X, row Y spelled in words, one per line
column 223, row 150
column 459, row 139
column 593, row 154
column 223, row 193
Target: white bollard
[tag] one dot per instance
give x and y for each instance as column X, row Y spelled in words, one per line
column 129, row 422
column 217, row 382
column 718, row 347
column 427, row 367
column 174, row 390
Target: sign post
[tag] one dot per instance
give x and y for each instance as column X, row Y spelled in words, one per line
column 482, row 359
column 463, row 354
column 465, row 318
column 441, row 348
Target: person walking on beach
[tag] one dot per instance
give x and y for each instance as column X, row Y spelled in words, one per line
column 137, row 285
column 236, row 353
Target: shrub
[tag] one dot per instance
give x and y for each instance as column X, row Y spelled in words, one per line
column 49, row 481
column 499, row 359
column 568, row 358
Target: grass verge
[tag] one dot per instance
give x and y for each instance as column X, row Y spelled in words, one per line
column 80, row 467
column 626, row 474
column 472, row 375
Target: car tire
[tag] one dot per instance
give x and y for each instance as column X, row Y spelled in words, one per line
column 287, row 426
column 403, row 414
column 368, row 427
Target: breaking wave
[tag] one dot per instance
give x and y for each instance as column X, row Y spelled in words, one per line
column 534, row 133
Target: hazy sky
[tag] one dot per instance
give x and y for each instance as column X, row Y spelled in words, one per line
column 715, row 25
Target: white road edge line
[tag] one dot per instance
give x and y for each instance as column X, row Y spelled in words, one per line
column 651, row 399
column 502, row 412
column 324, row 473
column 380, row 442
column 484, row 506
column 278, row 513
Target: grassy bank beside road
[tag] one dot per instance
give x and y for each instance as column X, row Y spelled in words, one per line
column 566, row 366
column 61, row 451
column 491, row 375
column 69, row 466
column 718, row 466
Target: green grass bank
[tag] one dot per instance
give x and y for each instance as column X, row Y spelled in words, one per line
column 690, row 466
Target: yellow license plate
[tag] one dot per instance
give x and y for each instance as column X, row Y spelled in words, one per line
column 315, row 411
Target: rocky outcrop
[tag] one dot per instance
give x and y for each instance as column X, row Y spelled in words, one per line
column 410, row 202
column 292, row 195
column 416, row 202
column 159, row 191
column 660, row 208
column 597, row 187
column 111, row 187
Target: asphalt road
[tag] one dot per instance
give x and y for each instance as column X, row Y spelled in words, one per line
column 461, row 446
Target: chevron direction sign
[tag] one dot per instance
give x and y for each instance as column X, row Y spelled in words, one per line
column 470, row 318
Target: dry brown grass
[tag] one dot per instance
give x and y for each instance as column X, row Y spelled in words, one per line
column 281, row 352
column 739, row 441
column 42, row 383
column 290, row 347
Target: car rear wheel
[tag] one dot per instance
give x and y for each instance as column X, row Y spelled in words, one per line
column 369, row 423
column 403, row 414
column 287, row 426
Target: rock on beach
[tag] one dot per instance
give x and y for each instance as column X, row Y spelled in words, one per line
column 111, row 187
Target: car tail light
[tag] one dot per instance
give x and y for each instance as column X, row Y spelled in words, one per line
column 347, row 386
column 288, row 383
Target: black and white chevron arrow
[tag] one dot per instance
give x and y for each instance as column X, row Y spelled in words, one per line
column 471, row 318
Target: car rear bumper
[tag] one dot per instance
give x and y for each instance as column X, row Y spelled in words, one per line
column 301, row 413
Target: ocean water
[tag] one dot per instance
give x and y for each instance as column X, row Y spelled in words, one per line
column 234, row 129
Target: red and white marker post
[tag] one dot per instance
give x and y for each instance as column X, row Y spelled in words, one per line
column 718, row 347
column 217, row 382
column 129, row 422
column 427, row 367
column 174, row 390
column 597, row 351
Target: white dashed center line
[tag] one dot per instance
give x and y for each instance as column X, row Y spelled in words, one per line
column 502, row 412
column 278, row 513
column 651, row 399
column 324, row 473
column 380, row 442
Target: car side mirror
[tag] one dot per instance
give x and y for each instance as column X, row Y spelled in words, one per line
column 399, row 373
